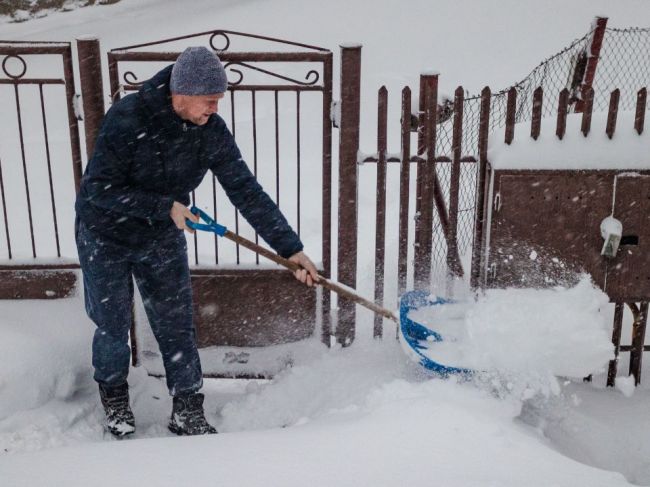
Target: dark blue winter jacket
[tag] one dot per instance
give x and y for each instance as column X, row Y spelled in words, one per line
column 146, row 157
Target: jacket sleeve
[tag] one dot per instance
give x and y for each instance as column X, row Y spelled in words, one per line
column 251, row 200
column 106, row 183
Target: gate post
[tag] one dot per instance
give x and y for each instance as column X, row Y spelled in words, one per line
column 348, row 172
column 92, row 88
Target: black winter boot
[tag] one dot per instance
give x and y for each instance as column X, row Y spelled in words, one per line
column 188, row 417
column 119, row 417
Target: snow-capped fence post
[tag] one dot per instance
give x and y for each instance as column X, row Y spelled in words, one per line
column 405, row 169
column 613, row 112
column 586, row 113
column 348, row 176
column 562, row 111
column 380, row 232
column 454, row 267
column 92, row 89
column 484, row 128
column 426, row 179
column 639, row 118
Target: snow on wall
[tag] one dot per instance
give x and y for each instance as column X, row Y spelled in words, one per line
column 626, row 150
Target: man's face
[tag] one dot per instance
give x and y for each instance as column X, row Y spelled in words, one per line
column 197, row 109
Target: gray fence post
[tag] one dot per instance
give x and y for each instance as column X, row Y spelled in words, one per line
column 92, row 88
column 348, row 172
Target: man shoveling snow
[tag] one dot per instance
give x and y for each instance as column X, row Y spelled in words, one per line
column 153, row 150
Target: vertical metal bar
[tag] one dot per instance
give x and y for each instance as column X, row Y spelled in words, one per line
column 562, row 110
column 254, row 108
column 73, row 123
column 22, row 152
column 404, row 181
column 424, row 223
column 195, row 236
column 586, row 114
column 454, row 265
column 536, row 121
column 113, row 77
column 232, row 121
column 612, row 114
column 639, row 118
column 326, row 331
column 380, row 228
column 479, row 218
column 4, row 211
column 92, row 89
column 216, row 218
column 638, row 339
column 298, row 158
column 49, row 171
column 348, row 176
column 616, row 341
column 510, row 115
column 600, row 25
column 277, row 152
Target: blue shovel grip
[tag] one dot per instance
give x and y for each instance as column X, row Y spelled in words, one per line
column 209, row 226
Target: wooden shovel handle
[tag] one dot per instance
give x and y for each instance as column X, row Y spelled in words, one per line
column 326, row 283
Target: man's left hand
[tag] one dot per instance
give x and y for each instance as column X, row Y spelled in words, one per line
column 308, row 274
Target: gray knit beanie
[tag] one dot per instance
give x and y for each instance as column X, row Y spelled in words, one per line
column 198, row 71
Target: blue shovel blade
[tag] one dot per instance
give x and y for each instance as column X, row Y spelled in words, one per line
column 416, row 337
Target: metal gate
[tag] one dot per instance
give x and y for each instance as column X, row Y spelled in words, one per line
column 274, row 97
column 38, row 140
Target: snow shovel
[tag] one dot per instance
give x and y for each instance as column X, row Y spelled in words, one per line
column 415, row 337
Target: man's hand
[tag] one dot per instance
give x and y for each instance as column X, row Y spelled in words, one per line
column 179, row 213
column 308, row 274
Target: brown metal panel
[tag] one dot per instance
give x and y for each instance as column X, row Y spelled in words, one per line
column 628, row 274
column 545, row 227
column 257, row 308
column 348, row 174
column 37, row 283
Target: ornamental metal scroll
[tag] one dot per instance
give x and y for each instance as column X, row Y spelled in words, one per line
column 6, row 71
column 225, row 35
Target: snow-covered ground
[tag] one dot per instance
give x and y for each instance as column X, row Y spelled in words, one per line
column 365, row 415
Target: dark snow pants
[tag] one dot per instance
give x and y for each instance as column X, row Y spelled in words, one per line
column 162, row 275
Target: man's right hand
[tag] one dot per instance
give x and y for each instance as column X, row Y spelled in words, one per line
column 179, row 213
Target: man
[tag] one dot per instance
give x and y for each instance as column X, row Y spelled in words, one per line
column 153, row 149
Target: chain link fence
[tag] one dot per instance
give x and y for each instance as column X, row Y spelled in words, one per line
column 624, row 63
